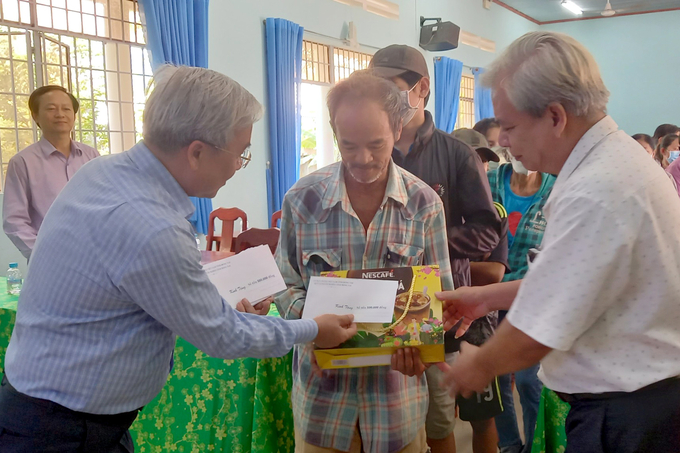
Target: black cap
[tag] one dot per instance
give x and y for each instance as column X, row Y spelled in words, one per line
column 478, row 142
column 396, row 59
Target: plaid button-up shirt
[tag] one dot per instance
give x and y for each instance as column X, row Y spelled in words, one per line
column 321, row 232
column 529, row 233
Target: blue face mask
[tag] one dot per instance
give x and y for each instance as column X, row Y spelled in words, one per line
column 673, row 155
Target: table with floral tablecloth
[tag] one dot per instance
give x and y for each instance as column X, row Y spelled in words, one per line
column 207, row 404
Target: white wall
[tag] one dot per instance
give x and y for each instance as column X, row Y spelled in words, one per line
column 237, row 50
column 638, row 58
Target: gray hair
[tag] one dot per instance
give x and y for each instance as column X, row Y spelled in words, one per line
column 189, row 104
column 366, row 85
column 543, row 67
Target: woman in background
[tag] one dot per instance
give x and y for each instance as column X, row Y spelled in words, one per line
column 646, row 141
column 667, row 145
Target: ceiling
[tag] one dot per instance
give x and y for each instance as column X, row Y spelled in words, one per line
column 552, row 10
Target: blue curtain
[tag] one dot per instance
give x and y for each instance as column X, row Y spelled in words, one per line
column 447, row 76
column 483, row 104
column 284, row 67
column 177, row 33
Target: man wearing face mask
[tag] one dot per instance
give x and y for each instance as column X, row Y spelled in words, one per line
column 455, row 172
column 523, row 193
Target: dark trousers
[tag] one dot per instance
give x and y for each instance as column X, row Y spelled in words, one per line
column 647, row 420
column 32, row 425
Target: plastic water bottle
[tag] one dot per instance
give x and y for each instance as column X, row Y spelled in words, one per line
column 198, row 242
column 14, row 280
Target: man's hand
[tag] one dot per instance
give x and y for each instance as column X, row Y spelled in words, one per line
column 465, row 303
column 261, row 308
column 466, row 376
column 407, row 361
column 334, row 330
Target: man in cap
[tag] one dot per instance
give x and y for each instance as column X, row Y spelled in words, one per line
column 456, row 173
column 479, row 143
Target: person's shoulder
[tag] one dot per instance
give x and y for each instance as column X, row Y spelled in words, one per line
column 452, row 145
column 618, row 168
column 87, row 150
column 420, row 195
column 495, row 174
column 320, row 178
column 31, row 151
column 306, row 198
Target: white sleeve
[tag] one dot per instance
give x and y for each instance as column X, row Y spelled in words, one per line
column 580, row 272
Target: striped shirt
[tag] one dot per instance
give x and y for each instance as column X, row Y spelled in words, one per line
column 114, row 276
column 321, row 232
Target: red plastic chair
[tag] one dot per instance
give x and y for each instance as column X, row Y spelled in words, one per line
column 276, row 217
column 228, row 216
column 257, row 236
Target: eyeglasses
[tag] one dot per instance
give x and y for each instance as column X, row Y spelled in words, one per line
column 245, row 155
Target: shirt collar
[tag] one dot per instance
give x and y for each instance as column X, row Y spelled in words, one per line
column 425, row 132
column 593, row 137
column 336, row 192
column 48, row 148
column 149, row 164
column 586, row 144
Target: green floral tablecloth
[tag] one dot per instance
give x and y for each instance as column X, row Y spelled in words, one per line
column 552, row 414
column 208, row 404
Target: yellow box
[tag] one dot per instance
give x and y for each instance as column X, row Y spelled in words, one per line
column 420, row 326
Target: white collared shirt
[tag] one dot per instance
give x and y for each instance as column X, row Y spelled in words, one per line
column 604, row 291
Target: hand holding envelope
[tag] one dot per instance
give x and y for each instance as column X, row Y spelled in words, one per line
column 260, row 308
column 251, row 275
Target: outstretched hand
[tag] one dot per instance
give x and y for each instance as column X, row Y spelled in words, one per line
column 466, row 303
column 467, row 375
column 334, row 330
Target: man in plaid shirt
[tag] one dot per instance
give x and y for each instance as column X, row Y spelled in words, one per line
column 362, row 213
column 523, row 194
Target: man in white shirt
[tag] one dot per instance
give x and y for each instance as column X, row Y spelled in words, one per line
column 599, row 305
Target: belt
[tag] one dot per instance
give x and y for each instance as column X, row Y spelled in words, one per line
column 573, row 397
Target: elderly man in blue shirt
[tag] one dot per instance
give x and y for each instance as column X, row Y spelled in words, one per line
column 115, row 276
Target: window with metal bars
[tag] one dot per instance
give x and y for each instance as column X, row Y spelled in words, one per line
column 319, row 67
column 316, row 65
column 322, row 66
column 94, row 48
column 466, row 104
column 347, row 61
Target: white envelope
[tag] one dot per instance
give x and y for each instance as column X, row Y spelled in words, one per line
column 368, row 300
column 251, row 274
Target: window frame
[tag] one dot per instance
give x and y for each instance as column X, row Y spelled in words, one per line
column 465, row 119
column 114, row 114
column 334, row 71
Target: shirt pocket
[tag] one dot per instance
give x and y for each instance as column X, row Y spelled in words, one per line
column 402, row 255
column 317, row 261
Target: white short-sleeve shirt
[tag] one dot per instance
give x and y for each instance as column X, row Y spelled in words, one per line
column 604, row 290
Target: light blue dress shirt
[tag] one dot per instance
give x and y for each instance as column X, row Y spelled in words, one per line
column 115, row 275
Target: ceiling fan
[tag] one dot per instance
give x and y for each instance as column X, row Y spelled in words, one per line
column 608, row 11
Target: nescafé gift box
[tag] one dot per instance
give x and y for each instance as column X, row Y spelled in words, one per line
column 417, row 321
